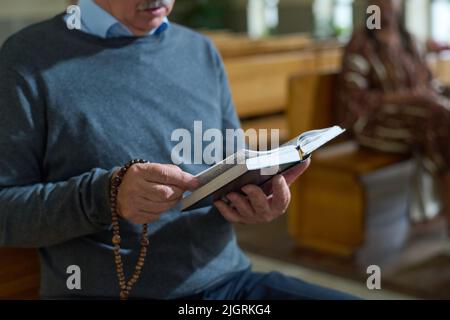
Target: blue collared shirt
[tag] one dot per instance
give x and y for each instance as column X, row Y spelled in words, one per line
column 95, row 20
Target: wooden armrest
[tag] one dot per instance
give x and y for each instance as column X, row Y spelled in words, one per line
column 19, row 274
column 350, row 157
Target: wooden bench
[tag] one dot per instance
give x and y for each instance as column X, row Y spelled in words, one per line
column 350, row 196
column 19, row 274
column 233, row 45
column 259, row 83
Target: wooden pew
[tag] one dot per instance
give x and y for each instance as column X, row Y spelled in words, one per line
column 259, row 87
column 259, row 83
column 240, row 45
column 350, row 197
column 19, row 274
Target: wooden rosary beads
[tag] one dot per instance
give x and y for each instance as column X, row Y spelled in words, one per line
column 125, row 286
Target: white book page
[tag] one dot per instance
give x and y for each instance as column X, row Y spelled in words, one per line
column 283, row 155
column 312, row 140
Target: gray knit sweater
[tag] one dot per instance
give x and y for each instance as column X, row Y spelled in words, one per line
column 72, row 108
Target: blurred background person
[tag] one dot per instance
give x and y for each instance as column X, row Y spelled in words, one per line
column 389, row 98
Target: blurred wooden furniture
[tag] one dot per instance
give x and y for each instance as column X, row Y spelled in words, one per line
column 233, row 45
column 19, row 274
column 349, row 196
column 259, row 81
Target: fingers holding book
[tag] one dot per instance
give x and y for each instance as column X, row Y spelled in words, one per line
column 256, row 206
column 293, row 173
column 150, row 189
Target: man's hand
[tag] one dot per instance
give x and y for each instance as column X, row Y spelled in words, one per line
column 257, row 207
column 150, row 189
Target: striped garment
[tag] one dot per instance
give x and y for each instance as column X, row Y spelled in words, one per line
column 414, row 123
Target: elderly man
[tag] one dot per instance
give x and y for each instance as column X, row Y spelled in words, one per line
column 76, row 104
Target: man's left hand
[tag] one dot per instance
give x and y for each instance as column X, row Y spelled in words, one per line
column 256, row 207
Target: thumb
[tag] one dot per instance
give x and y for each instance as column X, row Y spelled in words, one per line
column 293, row 173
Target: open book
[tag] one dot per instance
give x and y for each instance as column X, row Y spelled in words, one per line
column 254, row 167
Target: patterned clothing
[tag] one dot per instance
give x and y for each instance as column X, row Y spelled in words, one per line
column 371, row 71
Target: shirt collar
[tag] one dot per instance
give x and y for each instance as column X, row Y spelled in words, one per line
column 97, row 21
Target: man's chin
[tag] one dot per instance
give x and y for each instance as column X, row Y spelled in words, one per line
column 148, row 25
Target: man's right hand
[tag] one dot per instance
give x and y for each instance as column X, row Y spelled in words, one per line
column 150, row 189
